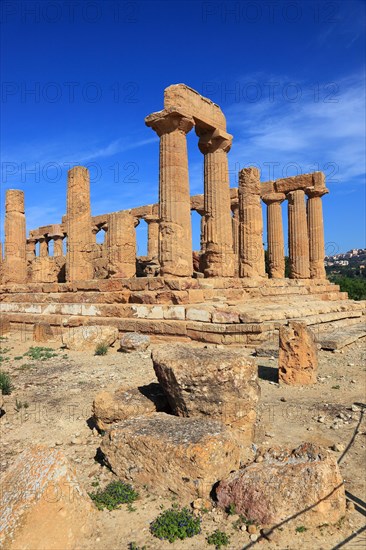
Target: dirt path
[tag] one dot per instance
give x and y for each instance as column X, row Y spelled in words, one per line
column 51, row 404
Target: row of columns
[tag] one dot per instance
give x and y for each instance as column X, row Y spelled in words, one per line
column 305, row 230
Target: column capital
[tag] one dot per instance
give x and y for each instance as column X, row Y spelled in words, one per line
column 150, row 218
column 272, row 198
column 312, row 192
column 168, row 121
column 213, row 140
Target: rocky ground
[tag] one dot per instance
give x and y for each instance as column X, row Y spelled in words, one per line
column 51, row 404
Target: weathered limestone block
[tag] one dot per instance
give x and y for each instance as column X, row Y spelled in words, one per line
column 304, row 481
column 121, row 244
column 184, row 456
column 88, row 337
column 109, row 408
column 298, row 356
column 133, row 341
column 14, row 268
column 293, row 183
column 205, row 382
column 42, row 505
column 251, row 251
column 80, row 239
column 42, row 332
column 46, row 269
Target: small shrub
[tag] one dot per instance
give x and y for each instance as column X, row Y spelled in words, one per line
column 133, row 546
column 18, row 358
column 38, row 353
column 101, row 349
column 230, row 510
column 301, row 529
column 174, row 524
column 6, row 385
column 20, row 405
column 113, row 495
column 337, row 387
column 218, row 538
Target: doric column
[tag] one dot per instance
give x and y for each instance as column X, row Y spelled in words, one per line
column 121, row 244
column 79, row 266
column 298, row 242
column 219, row 255
column 15, row 263
column 251, row 251
column 316, row 232
column 31, row 249
column 235, row 226
column 276, row 248
column 152, row 236
column 175, row 232
column 43, row 246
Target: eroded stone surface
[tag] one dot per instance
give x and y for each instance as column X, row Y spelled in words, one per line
column 87, row 337
column 42, row 504
column 183, row 456
column 304, row 482
column 109, row 408
column 133, row 341
column 210, row 383
column 298, row 355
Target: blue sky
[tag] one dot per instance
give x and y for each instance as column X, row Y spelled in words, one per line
column 79, row 77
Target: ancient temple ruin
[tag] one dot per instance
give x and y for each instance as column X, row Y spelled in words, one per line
column 221, row 293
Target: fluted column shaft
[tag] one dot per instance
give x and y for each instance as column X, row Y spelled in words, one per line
column 31, row 249
column 276, row 248
column 298, row 241
column 251, row 251
column 43, row 246
column 58, row 245
column 79, row 266
column 175, row 232
column 121, row 244
column 152, row 236
column 316, row 232
column 15, row 263
column 219, row 255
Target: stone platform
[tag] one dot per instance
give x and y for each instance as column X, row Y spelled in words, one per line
column 218, row 310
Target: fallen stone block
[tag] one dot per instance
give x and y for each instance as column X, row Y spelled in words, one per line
column 109, row 408
column 184, row 456
column 304, row 483
column 42, row 505
column 210, row 383
column 42, row 332
column 87, row 337
column 133, row 341
column 298, row 355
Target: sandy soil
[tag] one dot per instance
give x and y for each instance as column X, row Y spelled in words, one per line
column 58, row 393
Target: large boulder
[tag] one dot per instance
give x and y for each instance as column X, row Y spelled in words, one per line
column 109, row 408
column 298, row 355
column 210, row 383
column 304, row 482
column 184, row 456
column 133, row 341
column 42, row 505
column 88, row 337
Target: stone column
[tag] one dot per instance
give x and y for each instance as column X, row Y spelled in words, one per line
column 316, row 232
column 175, row 232
column 276, row 248
column 43, row 246
column 31, row 249
column 79, row 266
column 298, row 241
column 15, row 263
column 152, row 236
column 121, row 245
column 235, row 226
column 219, row 254
column 251, row 251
